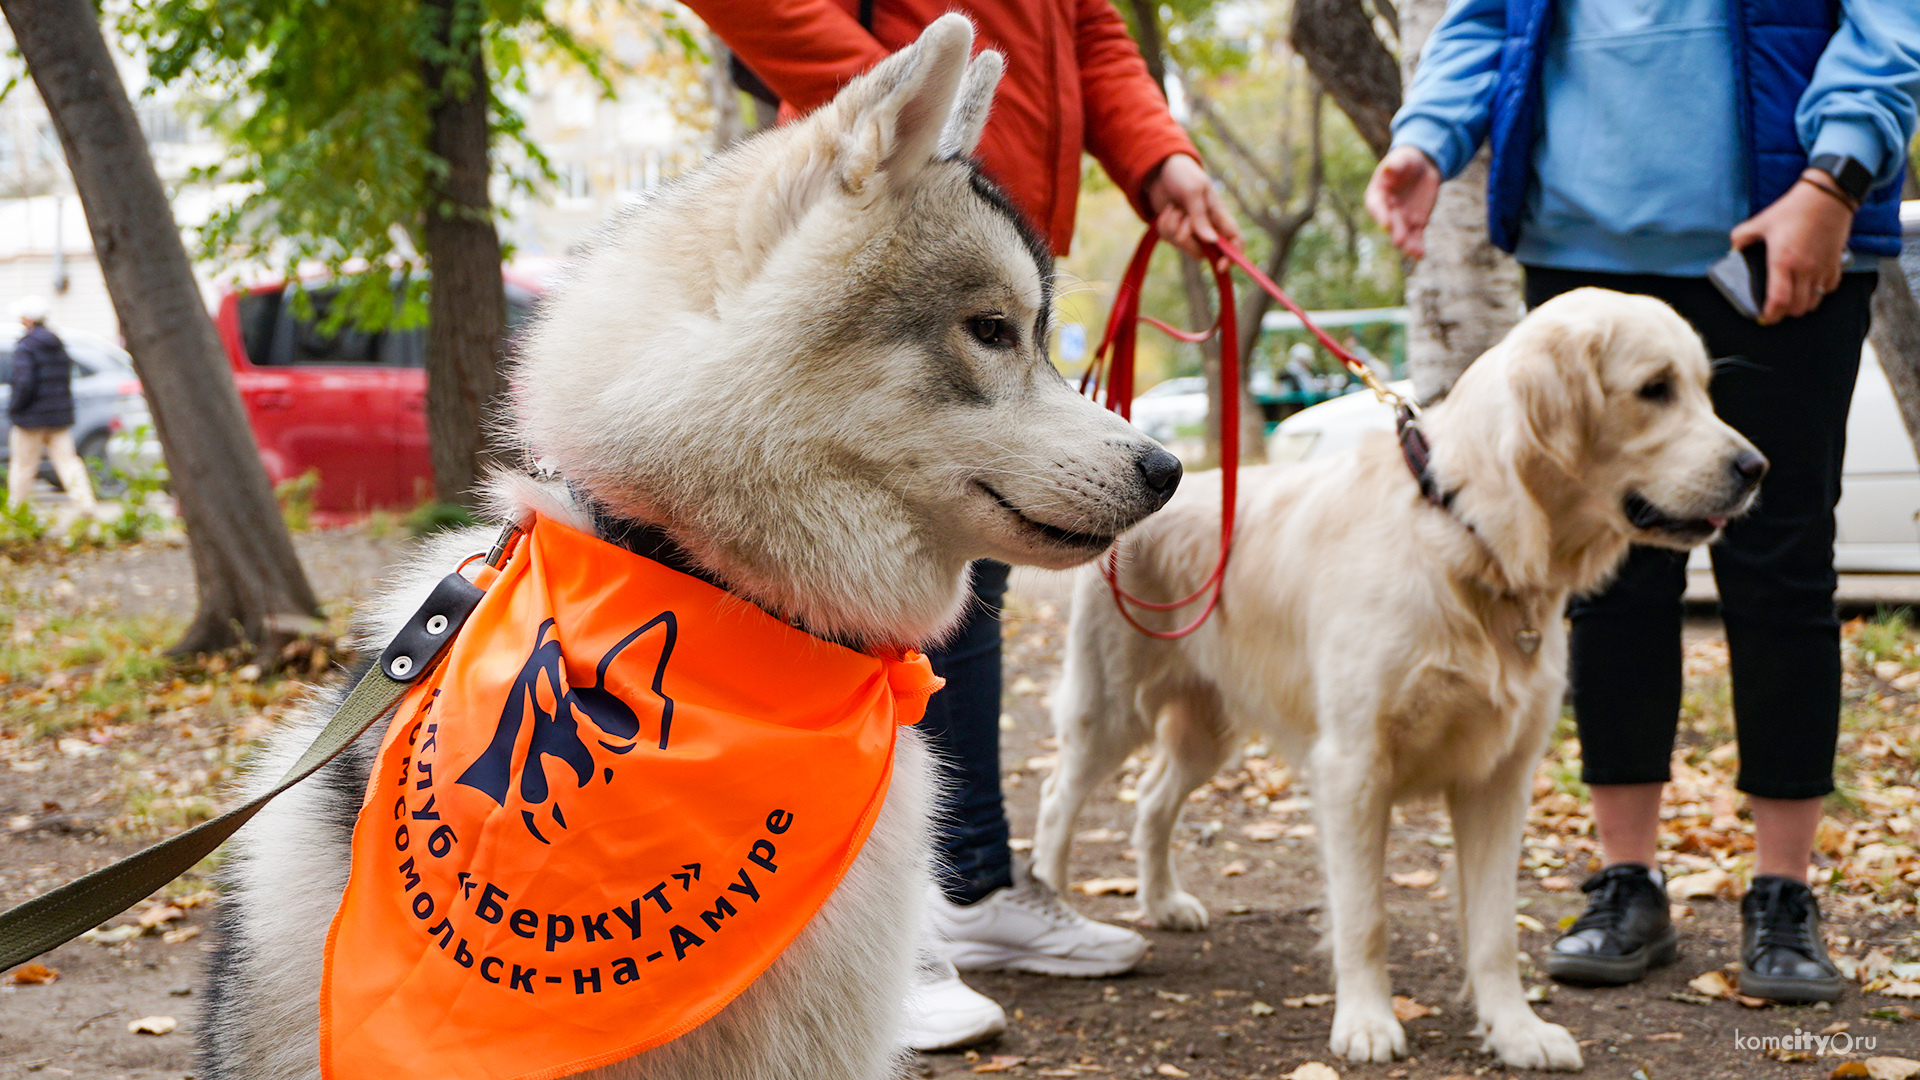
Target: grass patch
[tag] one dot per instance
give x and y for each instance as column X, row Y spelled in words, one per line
column 1886, row 636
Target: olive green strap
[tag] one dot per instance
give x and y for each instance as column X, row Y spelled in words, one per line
column 53, row 919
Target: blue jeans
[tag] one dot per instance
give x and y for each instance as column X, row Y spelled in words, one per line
column 963, row 727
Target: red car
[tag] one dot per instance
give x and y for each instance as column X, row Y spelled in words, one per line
column 350, row 405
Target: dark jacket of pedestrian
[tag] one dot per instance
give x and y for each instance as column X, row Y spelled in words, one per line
column 42, row 382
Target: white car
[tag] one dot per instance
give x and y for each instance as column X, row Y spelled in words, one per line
column 1171, row 405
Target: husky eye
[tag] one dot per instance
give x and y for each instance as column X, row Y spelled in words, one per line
column 993, row 331
column 1659, row 390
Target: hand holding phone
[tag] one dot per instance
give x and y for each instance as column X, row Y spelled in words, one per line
column 1741, row 277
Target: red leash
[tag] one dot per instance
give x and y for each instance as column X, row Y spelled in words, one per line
column 1109, row 378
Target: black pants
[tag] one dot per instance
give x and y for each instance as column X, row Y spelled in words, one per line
column 963, row 726
column 1788, row 392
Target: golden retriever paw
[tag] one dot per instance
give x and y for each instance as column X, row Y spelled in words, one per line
column 1368, row 1034
column 1177, row 910
column 1532, row 1043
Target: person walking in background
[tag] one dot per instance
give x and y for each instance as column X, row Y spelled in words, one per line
column 1631, row 144
column 41, row 410
column 1074, row 80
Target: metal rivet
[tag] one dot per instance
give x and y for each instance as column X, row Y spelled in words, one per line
column 400, row 666
column 437, row 625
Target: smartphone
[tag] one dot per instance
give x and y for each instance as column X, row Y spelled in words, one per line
column 1741, row 277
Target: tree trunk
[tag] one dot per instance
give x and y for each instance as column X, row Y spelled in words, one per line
column 1895, row 335
column 467, row 309
column 1337, row 40
column 1465, row 295
column 248, row 581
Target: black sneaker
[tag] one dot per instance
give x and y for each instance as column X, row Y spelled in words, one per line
column 1782, row 955
column 1626, row 929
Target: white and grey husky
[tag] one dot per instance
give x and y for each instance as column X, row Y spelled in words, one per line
column 819, row 365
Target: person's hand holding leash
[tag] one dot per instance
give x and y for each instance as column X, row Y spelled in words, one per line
column 1186, row 208
column 1401, row 196
column 1805, row 231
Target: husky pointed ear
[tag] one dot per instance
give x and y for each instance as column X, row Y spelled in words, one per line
column 969, row 116
column 895, row 115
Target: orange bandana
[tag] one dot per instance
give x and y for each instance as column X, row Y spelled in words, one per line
column 623, row 793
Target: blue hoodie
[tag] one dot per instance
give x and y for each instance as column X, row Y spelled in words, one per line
column 1639, row 157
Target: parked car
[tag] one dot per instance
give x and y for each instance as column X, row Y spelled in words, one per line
column 1878, row 518
column 350, row 405
column 111, row 424
column 1168, row 406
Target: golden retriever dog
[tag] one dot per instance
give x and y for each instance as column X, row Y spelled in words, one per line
column 1395, row 646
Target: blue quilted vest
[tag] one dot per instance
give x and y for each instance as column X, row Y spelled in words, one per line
column 1776, row 45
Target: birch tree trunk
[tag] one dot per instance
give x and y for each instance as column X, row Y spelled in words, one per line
column 1465, row 295
column 1895, row 333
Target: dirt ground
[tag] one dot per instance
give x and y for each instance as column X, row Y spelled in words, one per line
column 1225, row 1002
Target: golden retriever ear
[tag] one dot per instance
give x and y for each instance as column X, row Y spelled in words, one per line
column 1557, row 353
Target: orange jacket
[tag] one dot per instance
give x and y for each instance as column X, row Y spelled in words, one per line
column 1074, row 81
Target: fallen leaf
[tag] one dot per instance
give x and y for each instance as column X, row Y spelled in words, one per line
column 1117, row 886
column 175, row 937
column 1753, row 1002
column 152, row 1025
column 1557, row 883
column 1892, row 1068
column 1690, row 999
column 998, row 1063
column 1264, row 830
column 1234, row 869
column 1528, row 922
column 1312, row 1070
column 1415, row 879
column 112, row 935
column 1171, row 1070
column 153, row 917
column 1309, row 1001
column 33, row 975
column 1666, row 1036
column 1540, row 992
column 1705, row 884
column 1900, row 988
column 1712, row 984
column 1849, row 1070
column 1260, row 1008
column 1405, row 1008
column 1836, row 1027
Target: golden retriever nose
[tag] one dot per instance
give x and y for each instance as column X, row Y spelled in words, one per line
column 1750, row 466
column 1161, row 471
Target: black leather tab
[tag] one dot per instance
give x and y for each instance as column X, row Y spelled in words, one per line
column 428, row 631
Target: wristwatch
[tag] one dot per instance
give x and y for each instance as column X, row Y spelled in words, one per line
column 1853, row 178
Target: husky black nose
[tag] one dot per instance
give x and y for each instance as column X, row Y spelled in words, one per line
column 1161, row 471
column 1749, row 467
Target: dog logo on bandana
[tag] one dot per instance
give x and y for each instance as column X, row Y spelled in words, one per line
column 556, row 732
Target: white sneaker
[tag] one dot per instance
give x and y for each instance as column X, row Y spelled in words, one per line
column 1026, row 927
column 944, row 1013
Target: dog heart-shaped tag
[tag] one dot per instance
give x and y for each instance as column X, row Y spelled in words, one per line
column 1527, row 641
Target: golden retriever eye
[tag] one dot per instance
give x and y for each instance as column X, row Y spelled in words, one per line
column 993, row 331
column 1659, row 390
